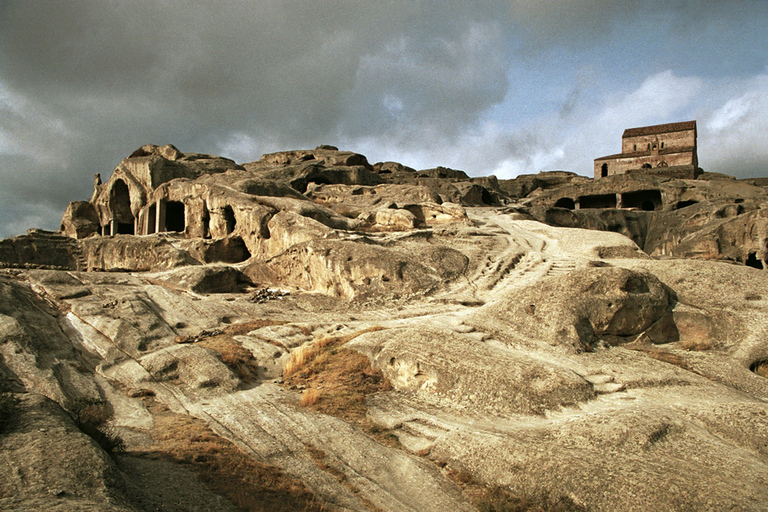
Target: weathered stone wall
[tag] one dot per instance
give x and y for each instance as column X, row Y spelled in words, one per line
column 670, row 140
column 656, row 147
column 623, row 164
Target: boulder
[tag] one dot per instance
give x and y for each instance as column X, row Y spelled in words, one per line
column 196, row 369
column 80, row 220
column 580, row 308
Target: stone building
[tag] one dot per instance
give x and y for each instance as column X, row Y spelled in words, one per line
column 667, row 149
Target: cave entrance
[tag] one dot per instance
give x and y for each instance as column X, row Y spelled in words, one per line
column 598, row 201
column 151, row 218
column 125, row 228
column 206, row 222
column 120, row 206
column 566, row 202
column 754, row 262
column 647, row 200
column 229, row 219
column 174, row 216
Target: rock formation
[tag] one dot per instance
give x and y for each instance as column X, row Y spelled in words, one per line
column 310, row 331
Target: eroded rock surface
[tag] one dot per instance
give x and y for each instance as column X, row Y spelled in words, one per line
column 390, row 338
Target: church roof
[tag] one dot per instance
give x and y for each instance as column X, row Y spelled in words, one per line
column 659, row 128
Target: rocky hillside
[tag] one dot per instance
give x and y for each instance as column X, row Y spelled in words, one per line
column 313, row 332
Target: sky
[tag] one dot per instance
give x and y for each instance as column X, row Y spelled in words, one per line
column 489, row 87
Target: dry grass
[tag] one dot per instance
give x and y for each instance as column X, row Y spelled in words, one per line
column 238, row 358
column 304, row 354
column 310, row 397
column 761, row 368
column 494, row 498
column 338, row 380
column 223, row 468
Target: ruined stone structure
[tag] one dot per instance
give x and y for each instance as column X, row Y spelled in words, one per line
column 668, row 149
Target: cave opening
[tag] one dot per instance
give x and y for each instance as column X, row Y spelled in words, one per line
column 174, row 216
column 647, row 200
column 566, row 202
column 229, row 219
column 598, row 201
column 754, row 262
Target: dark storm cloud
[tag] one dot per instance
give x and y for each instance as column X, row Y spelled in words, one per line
column 84, row 83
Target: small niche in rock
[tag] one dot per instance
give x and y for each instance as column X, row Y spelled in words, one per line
column 684, row 204
column 754, row 262
column 760, row 367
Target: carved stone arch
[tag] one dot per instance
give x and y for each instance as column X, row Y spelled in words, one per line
column 662, row 164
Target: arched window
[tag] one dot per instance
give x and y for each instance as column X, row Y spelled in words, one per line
column 604, row 171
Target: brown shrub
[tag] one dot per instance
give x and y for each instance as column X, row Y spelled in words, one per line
column 499, row 499
column 760, row 368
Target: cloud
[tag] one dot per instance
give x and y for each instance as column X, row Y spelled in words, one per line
column 485, row 86
column 732, row 127
column 732, row 137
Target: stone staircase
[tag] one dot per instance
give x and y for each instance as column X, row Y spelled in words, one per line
column 560, row 267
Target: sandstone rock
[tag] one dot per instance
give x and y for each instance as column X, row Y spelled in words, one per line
column 80, row 220
column 53, row 466
column 454, row 367
column 41, row 249
column 578, row 309
column 204, row 279
column 195, row 369
column 124, row 252
column 343, row 268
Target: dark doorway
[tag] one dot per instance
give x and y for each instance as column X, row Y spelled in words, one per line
column 753, row 261
column 151, row 218
column 206, row 220
column 174, row 216
column 229, row 219
column 598, row 201
column 125, row 228
column 648, row 200
column 565, row 202
column 604, row 170
column 120, row 203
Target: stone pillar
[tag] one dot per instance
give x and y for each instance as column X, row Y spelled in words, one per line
column 113, row 227
column 619, row 203
column 160, row 216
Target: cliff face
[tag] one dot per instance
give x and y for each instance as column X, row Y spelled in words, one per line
column 326, row 334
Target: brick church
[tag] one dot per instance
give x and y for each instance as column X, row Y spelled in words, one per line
column 668, row 149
